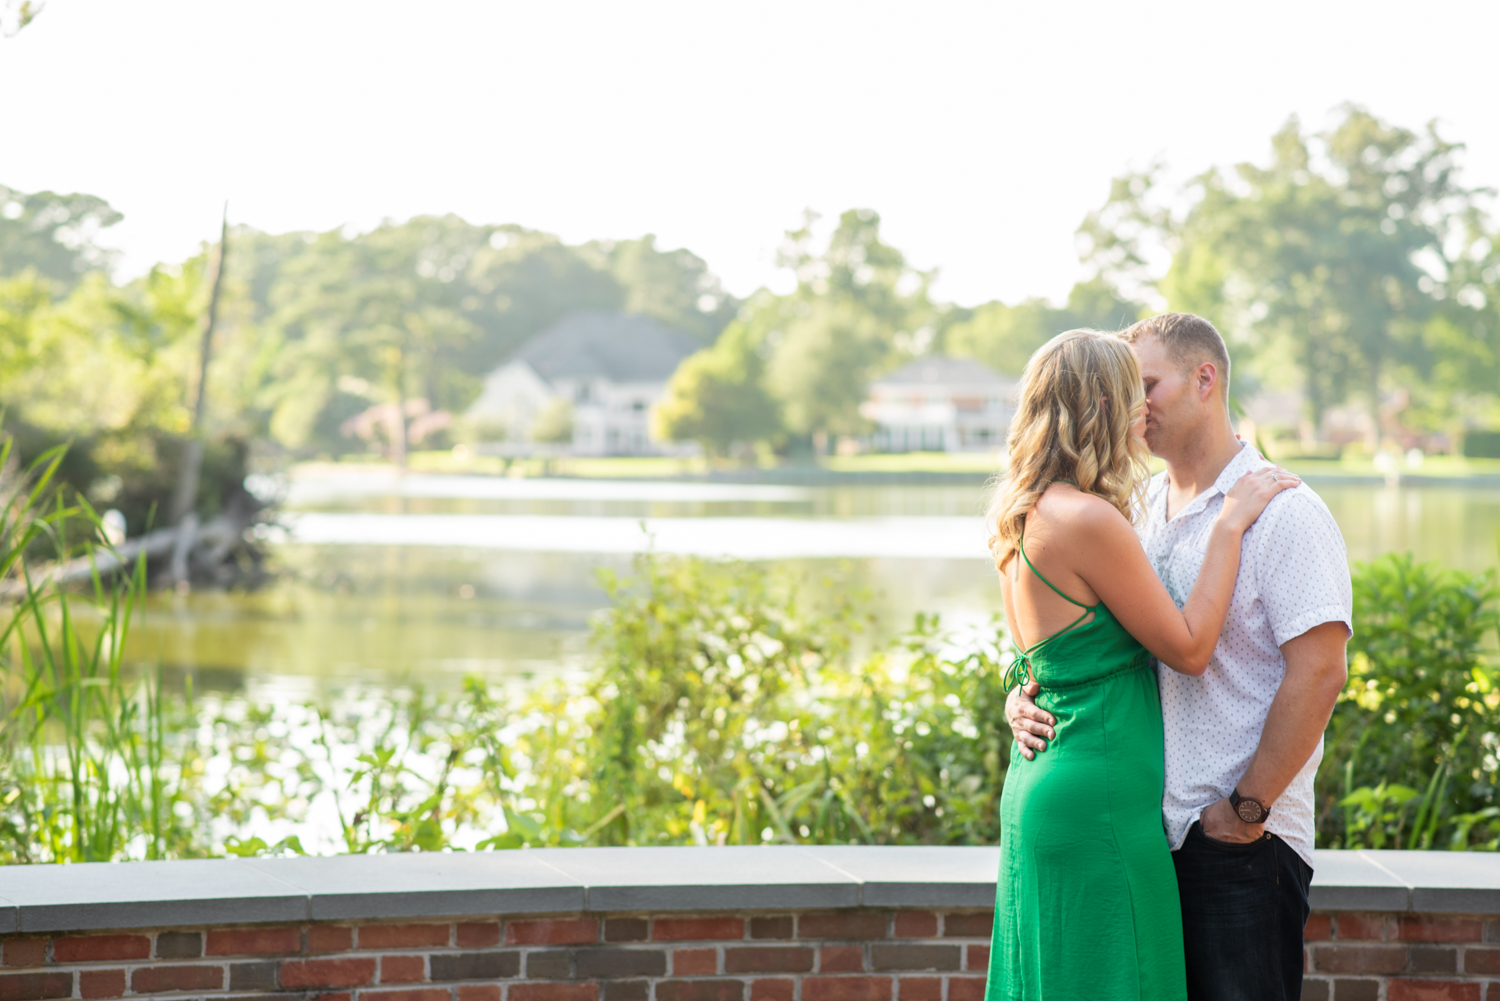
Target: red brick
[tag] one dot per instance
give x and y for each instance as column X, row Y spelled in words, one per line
column 978, row 957
column 564, row 931
column 409, row 994
column 841, row 959
column 1364, row 927
column 701, row 990
column 772, row 926
column 1359, row 958
column 920, row 989
column 477, row 934
column 625, row 929
column 845, row 989
column 25, row 951
column 1319, row 928
column 553, row 991
column 304, row 973
column 916, row 924
column 1433, row 990
column 333, row 996
column 1428, row 928
column 772, row 989
column 966, row 988
column 101, row 983
column 403, row 969
column 842, row 924
column 769, row 959
column 696, row 929
column 35, row 986
column 283, row 941
column 402, row 936
column 479, row 992
column 695, row 962
column 92, row 948
column 976, row 925
column 156, row 979
column 329, row 938
column 1482, row 961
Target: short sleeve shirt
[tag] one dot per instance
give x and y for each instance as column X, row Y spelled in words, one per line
column 1294, row 575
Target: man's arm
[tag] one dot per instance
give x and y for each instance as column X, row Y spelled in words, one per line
column 1315, row 674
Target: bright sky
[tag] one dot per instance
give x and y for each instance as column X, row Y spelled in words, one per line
column 982, row 132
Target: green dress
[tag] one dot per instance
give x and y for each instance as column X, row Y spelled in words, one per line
column 1087, row 903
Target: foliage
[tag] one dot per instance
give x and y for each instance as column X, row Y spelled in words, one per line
column 91, row 767
column 722, row 709
column 53, row 235
column 1004, row 337
column 1411, row 752
column 106, row 370
column 717, row 397
column 1354, row 258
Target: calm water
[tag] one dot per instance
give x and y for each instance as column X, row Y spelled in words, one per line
column 434, row 578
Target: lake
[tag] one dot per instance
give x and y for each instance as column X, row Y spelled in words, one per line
column 390, row 581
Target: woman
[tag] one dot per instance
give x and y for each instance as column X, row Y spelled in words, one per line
column 1087, row 905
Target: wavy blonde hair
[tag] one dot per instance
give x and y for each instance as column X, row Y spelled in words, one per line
column 1080, row 395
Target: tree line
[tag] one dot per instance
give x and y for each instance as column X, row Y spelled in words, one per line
column 1350, row 264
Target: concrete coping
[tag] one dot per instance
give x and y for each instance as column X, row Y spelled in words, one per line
column 124, row 895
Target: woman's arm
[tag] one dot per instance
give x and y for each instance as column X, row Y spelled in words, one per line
column 1118, row 571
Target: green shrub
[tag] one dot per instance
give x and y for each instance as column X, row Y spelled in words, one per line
column 1410, row 759
column 1482, row 444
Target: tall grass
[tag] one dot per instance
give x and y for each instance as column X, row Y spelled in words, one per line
column 92, row 763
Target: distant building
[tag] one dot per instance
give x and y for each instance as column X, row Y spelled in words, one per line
column 607, row 369
column 940, row 404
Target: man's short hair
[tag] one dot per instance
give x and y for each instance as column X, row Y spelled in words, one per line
column 1189, row 341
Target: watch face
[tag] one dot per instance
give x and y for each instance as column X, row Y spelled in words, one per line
column 1249, row 811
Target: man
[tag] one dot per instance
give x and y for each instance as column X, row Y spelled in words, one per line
column 1244, row 740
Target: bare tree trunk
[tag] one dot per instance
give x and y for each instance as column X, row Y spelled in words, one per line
column 192, row 459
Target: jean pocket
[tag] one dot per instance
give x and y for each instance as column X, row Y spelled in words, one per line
column 1231, row 846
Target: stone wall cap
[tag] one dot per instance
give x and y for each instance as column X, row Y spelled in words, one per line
column 200, row 892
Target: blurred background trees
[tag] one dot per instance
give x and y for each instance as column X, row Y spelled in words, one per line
column 1352, row 267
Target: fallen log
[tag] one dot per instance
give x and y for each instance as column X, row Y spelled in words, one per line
column 188, row 546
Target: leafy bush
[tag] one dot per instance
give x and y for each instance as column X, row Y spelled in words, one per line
column 1411, row 752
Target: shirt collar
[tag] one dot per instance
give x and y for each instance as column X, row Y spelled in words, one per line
column 1245, row 460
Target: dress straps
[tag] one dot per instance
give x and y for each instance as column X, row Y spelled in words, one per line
column 1020, row 669
column 1044, row 580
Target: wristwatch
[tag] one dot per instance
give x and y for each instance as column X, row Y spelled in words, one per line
column 1251, row 811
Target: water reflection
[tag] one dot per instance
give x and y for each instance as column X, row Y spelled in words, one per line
column 371, row 613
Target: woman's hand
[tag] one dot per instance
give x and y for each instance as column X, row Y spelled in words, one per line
column 1249, row 497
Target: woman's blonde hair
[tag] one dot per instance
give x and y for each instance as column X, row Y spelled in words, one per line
column 1080, row 395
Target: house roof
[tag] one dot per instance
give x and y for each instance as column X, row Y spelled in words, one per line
column 593, row 344
column 944, row 370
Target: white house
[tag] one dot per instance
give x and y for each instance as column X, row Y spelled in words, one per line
column 940, row 404
column 608, row 368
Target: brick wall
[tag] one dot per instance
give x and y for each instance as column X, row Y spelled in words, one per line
column 1354, row 956
column 848, row 955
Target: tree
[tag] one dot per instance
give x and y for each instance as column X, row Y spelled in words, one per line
column 1355, row 254
column 673, row 286
column 1005, row 337
column 717, row 397
column 858, row 307
column 53, row 234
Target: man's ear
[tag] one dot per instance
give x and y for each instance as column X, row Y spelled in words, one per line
column 1205, row 379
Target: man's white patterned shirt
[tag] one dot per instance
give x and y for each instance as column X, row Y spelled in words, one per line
column 1294, row 575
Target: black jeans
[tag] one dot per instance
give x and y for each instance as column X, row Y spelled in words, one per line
column 1243, row 911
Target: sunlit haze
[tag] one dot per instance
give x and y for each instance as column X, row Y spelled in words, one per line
column 982, row 132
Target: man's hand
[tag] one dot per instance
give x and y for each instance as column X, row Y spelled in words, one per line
column 1221, row 823
column 1031, row 725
